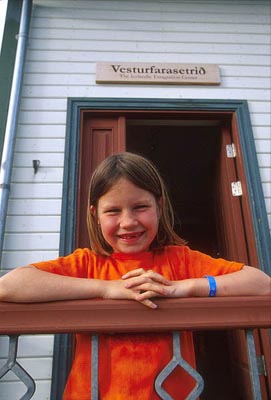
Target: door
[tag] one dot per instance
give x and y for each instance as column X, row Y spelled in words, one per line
column 99, row 137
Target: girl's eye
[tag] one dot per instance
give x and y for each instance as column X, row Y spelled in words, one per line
column 141, row 207
column 112, row 211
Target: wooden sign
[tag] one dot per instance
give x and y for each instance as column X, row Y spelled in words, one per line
column 158, row 73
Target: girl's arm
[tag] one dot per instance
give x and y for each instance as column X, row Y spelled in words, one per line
column 247, row 282
column 29, row 284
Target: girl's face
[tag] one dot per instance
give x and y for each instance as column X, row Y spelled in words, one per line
column 128, row 217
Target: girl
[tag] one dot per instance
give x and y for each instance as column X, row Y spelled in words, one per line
column 134, row 254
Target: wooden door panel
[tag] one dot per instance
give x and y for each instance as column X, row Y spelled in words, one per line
column 99, row 138
column 230, row 225
column 237, row 243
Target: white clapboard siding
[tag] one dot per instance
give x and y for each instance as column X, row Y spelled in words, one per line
column 153, row 36
column 42, row 346
column 36, row 191
column 18, row 389
column 261, row 132
column 36, row 130
column 35, row 207
column 123, row 55
column 50, row 160
column 45, row 174
column 11, row 260
column 260, row 119
column 67, row 39
column 151, row 26
column 263, row 146
column 265, row 160
column 267, row 191
column 163, row 11
column 154, row 47
column 28, row 241
column 32, row 223
column 35, row 368
column 139, row 92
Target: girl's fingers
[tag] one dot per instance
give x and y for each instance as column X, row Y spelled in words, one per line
column 149, row 303
column 135, row 272
column 135, row 279
column 149, row 291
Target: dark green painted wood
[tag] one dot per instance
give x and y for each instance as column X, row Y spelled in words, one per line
column 67, row 242
column 63, row 342
column 7, row 60
column 256, row 196
column 69, row 199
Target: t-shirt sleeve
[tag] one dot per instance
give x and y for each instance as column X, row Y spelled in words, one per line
column 77, row 264
column 198, row 264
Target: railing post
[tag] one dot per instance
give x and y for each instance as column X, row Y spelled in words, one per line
column 176, row 360
column 94, row 367
column 17, row 369
column 253, row 365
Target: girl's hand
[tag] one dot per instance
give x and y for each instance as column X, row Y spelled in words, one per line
column 116, row 290
column 152, row 284
column 146, row 285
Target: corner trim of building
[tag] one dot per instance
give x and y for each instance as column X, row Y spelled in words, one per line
column 7, row 60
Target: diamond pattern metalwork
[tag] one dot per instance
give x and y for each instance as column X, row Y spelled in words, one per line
column 176, row 360
column 17, row 369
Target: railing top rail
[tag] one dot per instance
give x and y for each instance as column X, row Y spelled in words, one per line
column 110, row 316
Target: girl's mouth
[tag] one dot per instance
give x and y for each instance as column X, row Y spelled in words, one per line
column 130, row 236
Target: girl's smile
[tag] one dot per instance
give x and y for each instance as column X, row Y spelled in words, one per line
column 128, row 217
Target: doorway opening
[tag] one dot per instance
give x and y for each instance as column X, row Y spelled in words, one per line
column 187, row 157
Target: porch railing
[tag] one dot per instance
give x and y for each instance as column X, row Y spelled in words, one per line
column 107, row 316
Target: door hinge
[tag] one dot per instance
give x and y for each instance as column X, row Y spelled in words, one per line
column 231, row 150
column 261, row 365
column 236, row 188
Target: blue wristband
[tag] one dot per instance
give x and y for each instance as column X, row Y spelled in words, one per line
column 212, row 285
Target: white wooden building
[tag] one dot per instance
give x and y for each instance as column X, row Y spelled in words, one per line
column 67, row 39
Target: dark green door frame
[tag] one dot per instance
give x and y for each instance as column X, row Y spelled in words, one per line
column 62, row 351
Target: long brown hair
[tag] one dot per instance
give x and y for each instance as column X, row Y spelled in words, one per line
column 142, row 173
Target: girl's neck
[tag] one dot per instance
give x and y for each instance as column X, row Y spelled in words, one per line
column 133, row 256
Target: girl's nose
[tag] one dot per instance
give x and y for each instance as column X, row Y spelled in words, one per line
column 127, row 219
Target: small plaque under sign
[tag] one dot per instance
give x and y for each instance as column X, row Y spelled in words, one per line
column 158, row 73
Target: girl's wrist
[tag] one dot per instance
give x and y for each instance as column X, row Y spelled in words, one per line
column 200, row 287
column 183, row 288
column 195, row 287
column 98, row 288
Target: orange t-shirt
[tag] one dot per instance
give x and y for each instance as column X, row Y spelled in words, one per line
column 129, row 363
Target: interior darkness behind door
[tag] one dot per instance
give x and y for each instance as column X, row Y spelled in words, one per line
column 186, row 156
